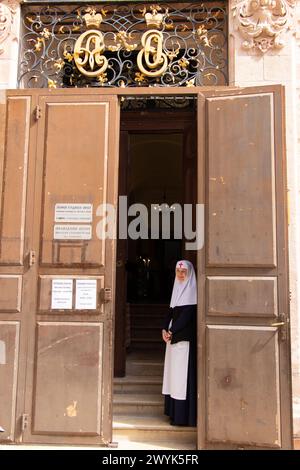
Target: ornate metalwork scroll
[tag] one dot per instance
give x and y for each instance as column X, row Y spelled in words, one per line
column 125, row 45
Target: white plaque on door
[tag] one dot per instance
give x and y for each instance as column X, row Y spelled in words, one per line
column 86, row 294
column 73, row 212
column 62, row 293
column 72, row 232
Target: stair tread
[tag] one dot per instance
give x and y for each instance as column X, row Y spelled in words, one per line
column 147, row 340
column 145, row 327
column 138, row 399
column 145, row 379
column 139, row 314
column 149, row 306
column 158, row 422
column 145, row 355
column 146, row 364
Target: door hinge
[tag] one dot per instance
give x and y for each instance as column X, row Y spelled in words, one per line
column 32, row 258
column 37, row 113
column 24, row 421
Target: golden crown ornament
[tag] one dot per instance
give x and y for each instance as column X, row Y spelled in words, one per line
column 154, row 19
column 92, row 18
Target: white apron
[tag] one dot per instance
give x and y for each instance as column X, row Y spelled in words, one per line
column 176, row 370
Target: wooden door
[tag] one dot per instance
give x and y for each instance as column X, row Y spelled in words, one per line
column 65, row 379
column 15, row 171
column 244, row 341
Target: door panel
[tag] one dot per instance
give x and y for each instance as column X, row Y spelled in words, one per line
column 15, row 181
column 241, row 198
column 243, row 387
column 242, row 296
column 10, row 293
column 76, row 145
column 244, row 341
column 68, row 378
column 9, row 355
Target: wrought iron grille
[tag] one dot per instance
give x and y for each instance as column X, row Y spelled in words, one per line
column 188, row 46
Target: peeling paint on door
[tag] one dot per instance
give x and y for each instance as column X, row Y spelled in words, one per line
column 71, row 410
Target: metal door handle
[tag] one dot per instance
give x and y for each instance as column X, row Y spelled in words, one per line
column 283, row 324
column 106, row 294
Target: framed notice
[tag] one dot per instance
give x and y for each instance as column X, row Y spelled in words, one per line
column 61, row 294
column 72, row 232
column 73, row 212
column 86, row 294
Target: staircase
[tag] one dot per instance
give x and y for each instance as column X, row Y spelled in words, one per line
column 138, row 405
column 146, row 322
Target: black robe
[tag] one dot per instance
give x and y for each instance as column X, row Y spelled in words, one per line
column 184, row 328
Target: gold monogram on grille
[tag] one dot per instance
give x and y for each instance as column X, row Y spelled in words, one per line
column 152, row 54
column 88, row 53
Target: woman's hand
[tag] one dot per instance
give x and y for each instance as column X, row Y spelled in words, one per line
column 166, row 335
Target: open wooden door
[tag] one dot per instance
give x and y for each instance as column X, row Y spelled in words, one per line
column 244, row 367
column 15, row 168
column 65, row 380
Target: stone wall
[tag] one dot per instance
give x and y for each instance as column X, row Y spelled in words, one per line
column 296, row 317
column 9, row 42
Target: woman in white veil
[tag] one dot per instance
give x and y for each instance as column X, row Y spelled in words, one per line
column 179, row 334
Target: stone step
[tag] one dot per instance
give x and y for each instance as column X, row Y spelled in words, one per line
column 138, row 384
column 149, row 332
column 152, row 356
column 153, row 429
column 144, row 368
column 155, row 344
column 147, row 320
column 135, row 404
column 148, row 309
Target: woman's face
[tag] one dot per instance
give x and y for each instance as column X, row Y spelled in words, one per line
column 181, row 274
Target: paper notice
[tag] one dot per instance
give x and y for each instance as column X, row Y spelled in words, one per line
column 86, row 294
column 72, row 232
column 62, row 293
column 73, row 212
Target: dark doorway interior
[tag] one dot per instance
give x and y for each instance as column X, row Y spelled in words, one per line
column 155, row 178
column 158, row 168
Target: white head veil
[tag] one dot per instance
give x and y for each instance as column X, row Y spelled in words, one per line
column 185, row 293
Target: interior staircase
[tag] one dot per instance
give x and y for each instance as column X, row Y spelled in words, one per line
column 138, row 405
